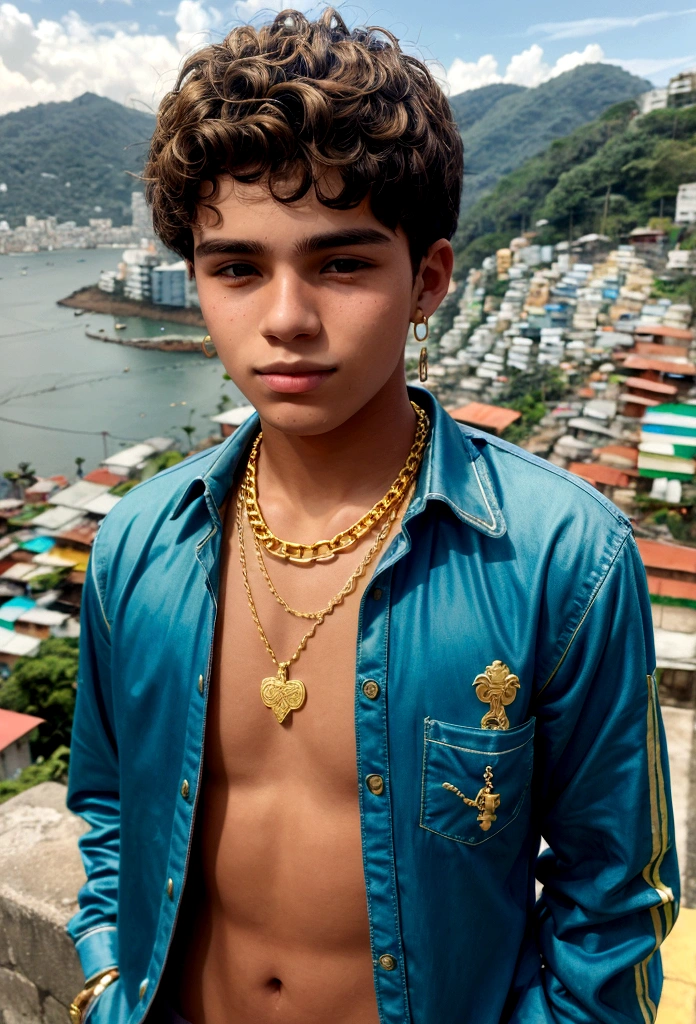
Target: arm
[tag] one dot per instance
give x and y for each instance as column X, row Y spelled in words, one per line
column 610, row 875
column 93, row 787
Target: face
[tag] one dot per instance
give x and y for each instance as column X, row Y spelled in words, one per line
column 309, row 308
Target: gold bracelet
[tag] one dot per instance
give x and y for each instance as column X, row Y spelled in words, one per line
column 83, row 999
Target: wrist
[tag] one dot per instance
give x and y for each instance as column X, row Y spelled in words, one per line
column 92, row 990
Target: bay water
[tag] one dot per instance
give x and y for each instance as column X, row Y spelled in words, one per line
column 59, row 390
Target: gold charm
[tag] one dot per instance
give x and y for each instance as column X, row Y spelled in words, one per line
column 498, row 687
column 487, row 802
column 282, row 695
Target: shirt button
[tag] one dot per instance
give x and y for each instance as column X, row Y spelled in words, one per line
column 200, row 684
column 185, row 789
column 387, row 962
column 143, row 987
column 375, row 784
column 170, row 888
column 371, row 689
column 377, row 594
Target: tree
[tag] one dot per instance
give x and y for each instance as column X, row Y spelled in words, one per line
column 189, row 429
column 79, row 461
column 45, row 686
column 50, row 769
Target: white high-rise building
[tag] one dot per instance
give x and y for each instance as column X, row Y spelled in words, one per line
column 686, row 204
column 142, row 220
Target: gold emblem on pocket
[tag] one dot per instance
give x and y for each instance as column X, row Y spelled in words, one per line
column 498, row 687
column 487, row 802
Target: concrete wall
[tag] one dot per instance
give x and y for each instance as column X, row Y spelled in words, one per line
column 674, row 618
column 40, row 874
column 14, row 758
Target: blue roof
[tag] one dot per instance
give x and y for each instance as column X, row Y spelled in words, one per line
column 17, row 602
column 39, row 545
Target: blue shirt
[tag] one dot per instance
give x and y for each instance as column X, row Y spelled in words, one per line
column 502, row 558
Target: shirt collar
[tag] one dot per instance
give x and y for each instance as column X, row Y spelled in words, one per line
column 453, row 471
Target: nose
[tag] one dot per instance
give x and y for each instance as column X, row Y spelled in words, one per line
column 289, row 314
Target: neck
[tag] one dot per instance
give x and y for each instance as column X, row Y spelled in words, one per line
column 321, row 480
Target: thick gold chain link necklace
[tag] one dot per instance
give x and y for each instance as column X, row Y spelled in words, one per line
column 280, row 694
column 352, row 582
column 326, row 549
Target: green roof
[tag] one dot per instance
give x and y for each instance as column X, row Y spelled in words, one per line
column 675, row 408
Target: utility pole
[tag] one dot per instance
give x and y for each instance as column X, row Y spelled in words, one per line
column 105, row 434
column 605, row 211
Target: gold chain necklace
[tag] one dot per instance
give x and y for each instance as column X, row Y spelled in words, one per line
column 317, row 615
column 325, row 549
column 280, row 694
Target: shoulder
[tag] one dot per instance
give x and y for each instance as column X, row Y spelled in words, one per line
column 526, row 482
column 147, row 509
column 563, row 536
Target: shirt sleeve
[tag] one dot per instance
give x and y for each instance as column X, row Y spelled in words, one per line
column 93, row 785
column 602, row 795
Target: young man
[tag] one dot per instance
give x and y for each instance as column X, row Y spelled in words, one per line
column 341, row 673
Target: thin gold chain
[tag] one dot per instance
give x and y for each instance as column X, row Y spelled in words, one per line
column 333, row 603
column 351, row 582
column 325, row 549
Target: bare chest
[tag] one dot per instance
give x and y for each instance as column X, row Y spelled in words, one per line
column 316, row 741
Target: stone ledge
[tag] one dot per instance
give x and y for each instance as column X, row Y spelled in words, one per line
column 41, row 873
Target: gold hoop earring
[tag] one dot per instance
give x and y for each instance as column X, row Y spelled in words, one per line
column 206, row 353
column 423, row 358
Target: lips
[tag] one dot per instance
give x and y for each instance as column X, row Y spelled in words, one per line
column 291, row 381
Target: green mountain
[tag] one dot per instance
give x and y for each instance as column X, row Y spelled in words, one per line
column 469, row 107
column 93, row 143
column 90, row 142
column 522, row 122
column 611, row 175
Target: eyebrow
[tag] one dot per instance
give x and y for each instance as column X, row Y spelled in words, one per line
column 303, row 247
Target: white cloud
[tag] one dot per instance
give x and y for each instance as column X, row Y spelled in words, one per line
column 464, row 75
column 59, row 60
column 527, row 68
column 197, row 25
column 593, row 26
column 46, row 60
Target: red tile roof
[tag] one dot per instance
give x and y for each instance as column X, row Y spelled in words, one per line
column 103, row 476
column 664, row 331
column 675, row 557
column 634, row 362
column 14, row 725
column 646, row 348
column 654, row 386
column 597, row 473
column 621, row 451
column 84, row 534
column 672, row 588
column 492, row 417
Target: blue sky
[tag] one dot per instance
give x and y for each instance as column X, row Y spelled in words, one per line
column 129, row 49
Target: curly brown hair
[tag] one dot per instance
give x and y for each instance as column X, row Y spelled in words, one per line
column 286, row 103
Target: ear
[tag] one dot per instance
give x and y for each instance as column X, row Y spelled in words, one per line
column 433, row 278
column 190, row 270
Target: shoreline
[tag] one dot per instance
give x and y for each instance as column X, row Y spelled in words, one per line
column 167, row 343
column 93, row 300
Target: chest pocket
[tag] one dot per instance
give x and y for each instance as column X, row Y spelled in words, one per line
column 474, row 781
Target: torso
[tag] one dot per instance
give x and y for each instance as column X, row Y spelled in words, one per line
column 274, row 925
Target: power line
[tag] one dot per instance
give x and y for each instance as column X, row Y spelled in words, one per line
column 68, row 430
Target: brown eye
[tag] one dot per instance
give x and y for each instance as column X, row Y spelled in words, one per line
column 235, row 270
column 345, row 265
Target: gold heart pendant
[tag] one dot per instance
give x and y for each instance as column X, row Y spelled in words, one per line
column 282, row 695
